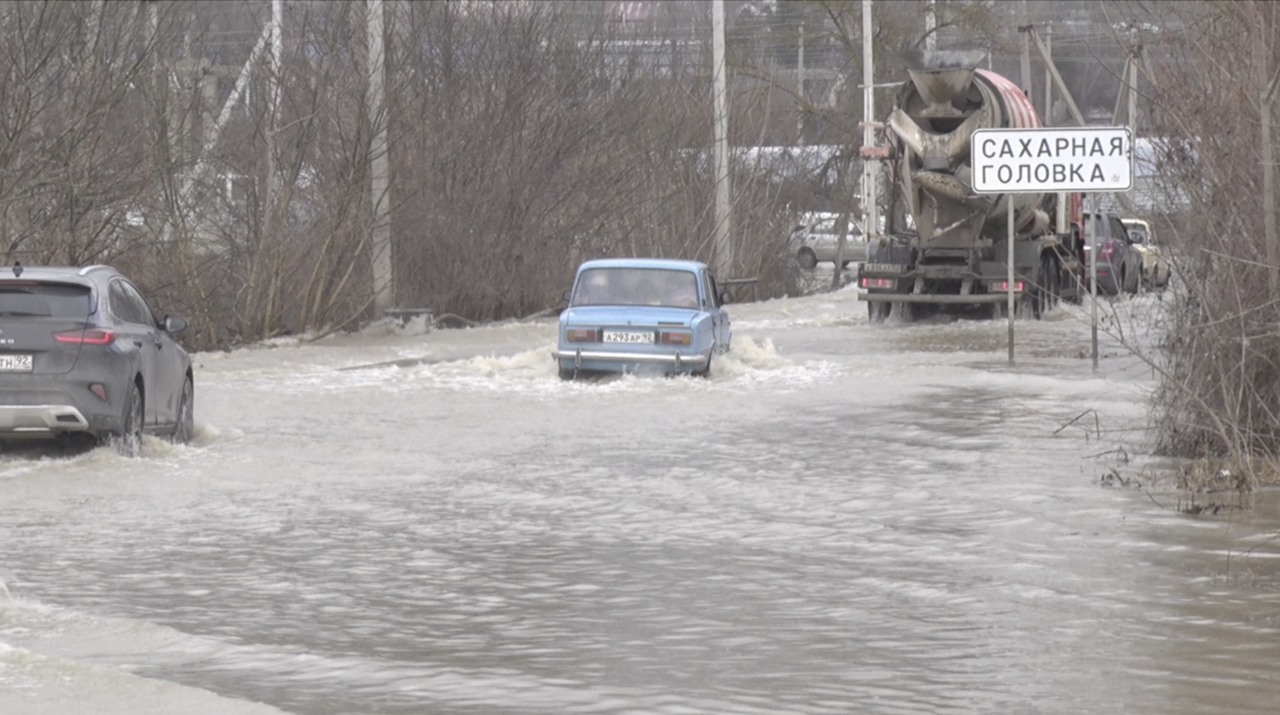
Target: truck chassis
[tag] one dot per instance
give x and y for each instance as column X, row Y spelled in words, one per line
column 896, row 273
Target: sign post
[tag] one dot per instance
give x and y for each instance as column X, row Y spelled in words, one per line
column 1033, row 161
column 1009, row 280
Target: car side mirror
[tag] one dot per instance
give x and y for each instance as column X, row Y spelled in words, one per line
column 174, row 324
column 726, row 298
column 566, row 295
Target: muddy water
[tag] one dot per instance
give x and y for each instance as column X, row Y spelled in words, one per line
column 844, row 518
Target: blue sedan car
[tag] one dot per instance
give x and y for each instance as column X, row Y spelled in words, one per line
column 629, row 314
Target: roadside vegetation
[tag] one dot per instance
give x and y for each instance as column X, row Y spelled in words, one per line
column 1209, row 79
column 173, row 140
column 232, row 173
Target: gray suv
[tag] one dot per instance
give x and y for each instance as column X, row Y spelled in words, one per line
column 83, row 354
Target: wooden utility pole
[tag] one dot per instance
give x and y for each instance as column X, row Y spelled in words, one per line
column 380, row 240
column 723, row 243
column 1057, row 77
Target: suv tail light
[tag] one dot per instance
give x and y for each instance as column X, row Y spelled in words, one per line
column 91, row 336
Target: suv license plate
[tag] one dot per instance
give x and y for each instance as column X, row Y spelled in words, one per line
column 618, row 336
column 15, row 363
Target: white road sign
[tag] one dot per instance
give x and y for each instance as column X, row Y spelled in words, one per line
column 1033, row 160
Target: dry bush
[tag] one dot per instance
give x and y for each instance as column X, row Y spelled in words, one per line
column 1207, row 71
column 536, row 144
column 70, row 151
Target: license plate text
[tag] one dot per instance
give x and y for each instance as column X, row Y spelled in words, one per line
column 626, row 336
column 15, row 363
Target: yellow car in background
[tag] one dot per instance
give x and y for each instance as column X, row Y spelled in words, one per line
column 1155, row 265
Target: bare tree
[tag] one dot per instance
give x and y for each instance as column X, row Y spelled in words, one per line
column 1210, row 68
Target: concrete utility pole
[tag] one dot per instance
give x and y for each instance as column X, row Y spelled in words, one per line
column 800, row 88
column 1046, row 119
column 380, row 242
column 273, row 110
column 723, row 243
column 1269, row 188
column 870, row 211
column 931, row 25
column 1026, row 49
column 1133, row 96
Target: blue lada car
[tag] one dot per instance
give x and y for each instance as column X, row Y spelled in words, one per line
column 638, row 314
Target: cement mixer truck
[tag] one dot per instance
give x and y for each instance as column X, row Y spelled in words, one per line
column 952, row 253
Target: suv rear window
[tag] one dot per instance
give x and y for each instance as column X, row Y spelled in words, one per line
column 44, row 300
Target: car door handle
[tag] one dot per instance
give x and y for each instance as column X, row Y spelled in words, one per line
column 137, row 343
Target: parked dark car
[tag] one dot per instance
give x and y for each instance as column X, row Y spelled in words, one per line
column 82, row 353
column 1119, row 261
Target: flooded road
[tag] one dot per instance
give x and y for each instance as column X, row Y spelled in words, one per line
column 843, row 518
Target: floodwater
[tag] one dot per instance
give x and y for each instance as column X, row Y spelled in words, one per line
column 842, row 518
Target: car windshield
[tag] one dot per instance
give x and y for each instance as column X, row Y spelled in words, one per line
column 1137, row 234
column 19, row 299
column 637, row 286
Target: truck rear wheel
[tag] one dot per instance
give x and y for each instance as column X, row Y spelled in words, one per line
column 901, row 312
column 877, row 312
column 1050, row 282
column 1027, row 307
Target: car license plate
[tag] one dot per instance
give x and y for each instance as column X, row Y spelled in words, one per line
column 882, row 268
column 15, row 363
column 627, row 336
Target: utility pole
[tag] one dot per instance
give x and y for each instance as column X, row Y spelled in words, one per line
column 380, row 241
column 1269, row 188
column 273, row 109
column 870, row 211
column 1025, row 29
column 1133, row 95
column 931, row 25
column 1047, row 117
column 723, row 244
column 800, row 88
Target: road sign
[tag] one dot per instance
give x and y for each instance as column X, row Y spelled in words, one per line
column 1090, row 159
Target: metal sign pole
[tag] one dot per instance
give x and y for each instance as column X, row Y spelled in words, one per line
column 1092, row 225
column 1090, row 160
column 1009, row 198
